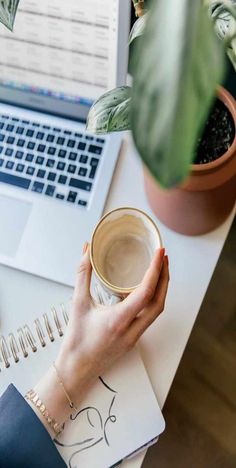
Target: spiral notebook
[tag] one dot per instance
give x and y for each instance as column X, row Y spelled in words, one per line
column 120, row 415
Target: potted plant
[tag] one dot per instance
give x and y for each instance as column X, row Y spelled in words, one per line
column 177, row 63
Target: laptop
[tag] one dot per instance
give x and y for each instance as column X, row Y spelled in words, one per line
column 55, row 176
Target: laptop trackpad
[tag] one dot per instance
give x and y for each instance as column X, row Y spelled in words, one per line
column 13, row 218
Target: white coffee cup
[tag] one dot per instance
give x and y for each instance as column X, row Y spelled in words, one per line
column 122, row 247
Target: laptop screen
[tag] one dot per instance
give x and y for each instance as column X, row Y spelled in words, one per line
column 66, row 50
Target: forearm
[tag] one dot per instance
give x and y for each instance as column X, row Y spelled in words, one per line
column 61, row 390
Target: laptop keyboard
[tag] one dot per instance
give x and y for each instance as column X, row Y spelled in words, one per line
column 50, row 161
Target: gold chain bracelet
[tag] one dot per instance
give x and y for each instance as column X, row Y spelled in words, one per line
column 33, row 397
column 71, row 404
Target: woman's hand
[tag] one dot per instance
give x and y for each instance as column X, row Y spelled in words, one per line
column 97, row 336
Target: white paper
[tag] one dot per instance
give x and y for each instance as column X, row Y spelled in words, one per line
column 119, row 415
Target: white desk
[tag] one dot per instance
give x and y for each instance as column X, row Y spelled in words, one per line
column 192, row 263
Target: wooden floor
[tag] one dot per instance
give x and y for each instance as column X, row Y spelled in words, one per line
column 200, row 411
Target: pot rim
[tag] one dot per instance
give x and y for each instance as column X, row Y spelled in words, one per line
column 229, row 101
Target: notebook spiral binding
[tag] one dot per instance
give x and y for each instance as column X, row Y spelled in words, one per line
column 16, row 345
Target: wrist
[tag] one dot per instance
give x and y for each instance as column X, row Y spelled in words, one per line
column 53, row 396
column 75, row 375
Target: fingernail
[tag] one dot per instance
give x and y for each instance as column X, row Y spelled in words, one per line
column 162, row 252
column 85, row 248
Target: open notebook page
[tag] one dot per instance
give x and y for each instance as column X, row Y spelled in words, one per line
column 119, row 415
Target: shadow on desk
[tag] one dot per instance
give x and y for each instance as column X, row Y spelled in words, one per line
column 200, row 411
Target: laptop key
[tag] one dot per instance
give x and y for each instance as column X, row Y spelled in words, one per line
column 20, row 167
column 82, row 203
column 82, row 171
column 71, row 168
column 30, row 170
column 71, row 143
column 10, row 128
column 80, row 184
column 50, row 138
column 94, row 162
column 50, row 190
column 61, row 166
column 62, row 154
column 30, row 133
column 29, row 157
column 94, row 149
column 14, row 180
column 20, row 130
column 52, row 176
column 50, row 163
column 81, row 146
column 41, row 148
column 62, row 179
column 41, row 173
column 60, row 196
column 10, row 140
column 9, row 152
column 72, row 156
column 94, row 165
column 19, row 155
column 100, row 140
column 1, row 125
column 83, row 159
column 1, row 149
column 37, row 187
column 39, row 160
column 9, row 165
column 72, row 197
column 31, row 145
column 60, row 141
column 93, row 172
column 51, row 150
column 20, row 142
column 2, row 136
column 1, row 162
column 40, row 136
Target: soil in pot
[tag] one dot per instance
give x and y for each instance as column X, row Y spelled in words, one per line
column 218, row 135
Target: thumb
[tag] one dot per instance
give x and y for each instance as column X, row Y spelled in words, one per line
column 83, row 278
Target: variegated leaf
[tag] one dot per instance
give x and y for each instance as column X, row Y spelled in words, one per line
column 138, row 28
column 8, row 9
column 176, row 68
column 223, row 13
column 111, row 112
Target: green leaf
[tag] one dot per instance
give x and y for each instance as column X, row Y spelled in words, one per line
column 138, row 28
column 223, row 14
column 176, row 68
column 111, row 112
column 8, row 9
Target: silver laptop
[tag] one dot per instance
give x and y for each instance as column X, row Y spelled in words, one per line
column 55, row 177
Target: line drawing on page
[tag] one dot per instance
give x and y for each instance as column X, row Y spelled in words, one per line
column 95, row 422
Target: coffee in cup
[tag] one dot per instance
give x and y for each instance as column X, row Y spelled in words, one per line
column 122, row 247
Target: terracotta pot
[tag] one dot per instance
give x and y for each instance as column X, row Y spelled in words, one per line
column 208, row 195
